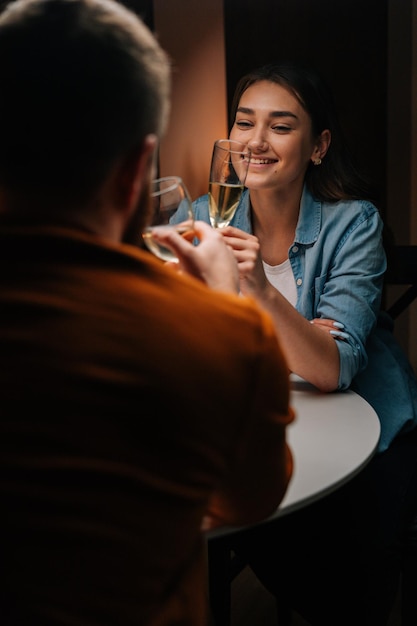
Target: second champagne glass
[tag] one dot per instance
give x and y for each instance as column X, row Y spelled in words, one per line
column 228, row 170
column 172, row 208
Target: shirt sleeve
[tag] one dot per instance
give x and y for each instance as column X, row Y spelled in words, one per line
column 352, row 291
column 259, row 474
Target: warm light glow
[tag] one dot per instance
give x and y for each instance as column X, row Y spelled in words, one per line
column 199, row 98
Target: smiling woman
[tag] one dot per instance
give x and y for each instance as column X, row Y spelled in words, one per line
column 307, row 237
column 299, row 171
column 214, row 42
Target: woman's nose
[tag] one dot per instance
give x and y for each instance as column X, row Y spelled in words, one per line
column 257, row 142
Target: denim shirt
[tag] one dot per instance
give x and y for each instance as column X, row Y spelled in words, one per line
column 338, row 261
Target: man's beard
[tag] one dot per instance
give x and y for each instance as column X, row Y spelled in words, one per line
column 139, row 219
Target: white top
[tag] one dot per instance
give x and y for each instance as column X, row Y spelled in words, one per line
column 282, row 278
column 332, row 438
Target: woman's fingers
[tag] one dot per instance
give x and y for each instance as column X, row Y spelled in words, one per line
column 336, row 329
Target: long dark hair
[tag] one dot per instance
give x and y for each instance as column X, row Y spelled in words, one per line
column 338, row 177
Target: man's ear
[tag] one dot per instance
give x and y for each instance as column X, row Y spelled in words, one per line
column 137, row 169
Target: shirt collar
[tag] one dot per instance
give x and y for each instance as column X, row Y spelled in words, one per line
column 309, row 219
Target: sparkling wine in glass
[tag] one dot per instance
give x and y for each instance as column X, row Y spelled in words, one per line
column 172, row 208
column 228, row 170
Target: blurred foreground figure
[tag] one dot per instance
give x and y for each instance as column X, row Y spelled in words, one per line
column 136, row 402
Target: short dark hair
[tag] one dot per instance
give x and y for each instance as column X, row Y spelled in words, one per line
column 81, row 82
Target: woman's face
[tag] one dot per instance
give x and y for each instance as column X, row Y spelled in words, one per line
column 272, row 122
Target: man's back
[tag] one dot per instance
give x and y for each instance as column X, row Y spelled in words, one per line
column 128, row 397
column 137, row 404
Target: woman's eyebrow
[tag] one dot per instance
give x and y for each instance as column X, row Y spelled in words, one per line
column 271, row 114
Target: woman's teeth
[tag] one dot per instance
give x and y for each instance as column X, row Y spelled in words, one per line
column 261, row 161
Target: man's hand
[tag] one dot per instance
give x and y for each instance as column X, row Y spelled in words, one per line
column 212, row 261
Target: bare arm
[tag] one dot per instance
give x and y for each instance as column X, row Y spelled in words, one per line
column 310, row 352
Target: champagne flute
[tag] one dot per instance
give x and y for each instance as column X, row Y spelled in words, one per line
column 228, row 170
column 172, row 208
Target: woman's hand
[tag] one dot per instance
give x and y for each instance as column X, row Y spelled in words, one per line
column 336, row 329
column 247, row 251
column 212, row 261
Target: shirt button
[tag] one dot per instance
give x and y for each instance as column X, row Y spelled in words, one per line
column 295, row 249
column 299, row 281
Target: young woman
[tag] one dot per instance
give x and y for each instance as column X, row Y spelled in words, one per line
column 308, row 241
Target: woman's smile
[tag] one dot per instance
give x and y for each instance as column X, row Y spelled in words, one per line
column 262, row 161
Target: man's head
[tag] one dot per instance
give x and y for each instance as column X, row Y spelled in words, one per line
column 83, row 84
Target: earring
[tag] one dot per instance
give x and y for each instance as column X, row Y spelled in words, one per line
column 317, row 161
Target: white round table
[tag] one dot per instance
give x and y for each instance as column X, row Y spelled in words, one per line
column 332, row 438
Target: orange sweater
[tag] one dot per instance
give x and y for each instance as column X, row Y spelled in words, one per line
column 134, row 402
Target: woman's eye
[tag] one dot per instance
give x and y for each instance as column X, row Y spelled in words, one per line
column 282, row 129
column 243, row 124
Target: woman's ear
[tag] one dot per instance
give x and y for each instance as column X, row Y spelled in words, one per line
column 321, row 147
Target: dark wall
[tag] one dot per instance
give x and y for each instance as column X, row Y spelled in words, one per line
column 144, row 8
column 346, row 40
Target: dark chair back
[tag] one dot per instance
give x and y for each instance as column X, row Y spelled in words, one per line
column 402, row 270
